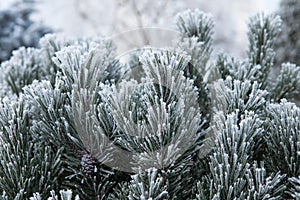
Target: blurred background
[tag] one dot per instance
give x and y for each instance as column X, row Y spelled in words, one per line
column 108, row 17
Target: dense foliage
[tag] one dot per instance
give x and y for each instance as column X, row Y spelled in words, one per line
column 77, row 122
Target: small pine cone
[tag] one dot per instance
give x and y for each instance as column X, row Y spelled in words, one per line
column 88, row 164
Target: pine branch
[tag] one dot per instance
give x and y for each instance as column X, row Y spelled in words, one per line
column 155, row 110
column 282, row 138
column 295, row 191
column 231, row 95
column 233, row 172
column 144, row 185
column 27, row 165
column 196, row 29
column 22, row 69
column 64, row 195
column 287, row 83
column 262, row 30
column 236, row 69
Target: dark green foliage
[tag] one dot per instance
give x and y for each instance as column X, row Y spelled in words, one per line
column 287, row 83
column 196, row 29
column 295, row 190
column 22, row 69
column 144, row 185
column 75, row 117
column 262, row 31
column 282, row 137
column 27, row 165
column 17, row 29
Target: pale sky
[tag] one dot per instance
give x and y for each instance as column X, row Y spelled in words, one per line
column 101, row 17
